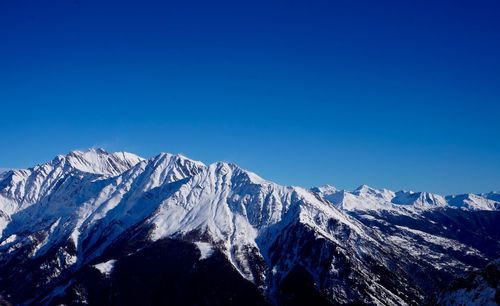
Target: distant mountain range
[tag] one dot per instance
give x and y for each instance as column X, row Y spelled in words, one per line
column 100, row 228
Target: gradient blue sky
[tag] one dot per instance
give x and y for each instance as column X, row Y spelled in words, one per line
column 397, row 94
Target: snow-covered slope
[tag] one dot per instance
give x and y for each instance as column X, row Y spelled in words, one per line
column 71, row 213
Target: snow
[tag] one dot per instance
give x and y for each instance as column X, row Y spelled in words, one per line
column 474, row 202
column 418, row 199
column 474, row 289
column 95, row 196
column 106, row 267
column 206, row 249
column 101, row 162
column 325, row 189
column 366, row 198
column 28, row 186
column 9, row 240
column 437, row 240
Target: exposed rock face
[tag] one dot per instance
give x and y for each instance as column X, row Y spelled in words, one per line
column 477, row 288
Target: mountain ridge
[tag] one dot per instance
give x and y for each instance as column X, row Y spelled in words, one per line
column 68, row 215
column 81, row 159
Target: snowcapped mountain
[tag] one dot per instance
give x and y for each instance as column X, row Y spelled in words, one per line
column 91, row 225
column 490, row 201
column 27, row 186
column 366, row 198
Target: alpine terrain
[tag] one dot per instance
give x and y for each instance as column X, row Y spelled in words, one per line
column 100, row 228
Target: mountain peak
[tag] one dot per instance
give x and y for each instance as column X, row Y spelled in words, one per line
column 99, row 161
column 166, row 168
column 28, row 186
column 89, row 150
column 325, row 189
column 170, row 157
column 421, row 199
column 363, row 187
column 367, row 191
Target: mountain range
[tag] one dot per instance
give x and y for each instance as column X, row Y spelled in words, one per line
column 99, row 228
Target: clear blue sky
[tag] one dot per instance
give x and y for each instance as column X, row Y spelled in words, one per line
column 397, row 94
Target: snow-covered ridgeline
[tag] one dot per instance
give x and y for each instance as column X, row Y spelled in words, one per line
column 368, row 198
column 80, row 204
column 83, row 196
